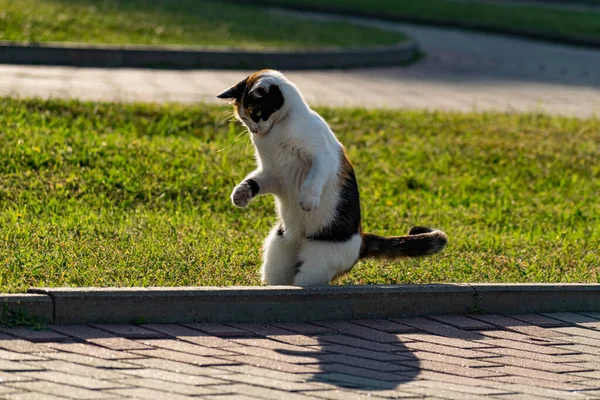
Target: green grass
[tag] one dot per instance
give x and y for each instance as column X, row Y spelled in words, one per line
column 570, row 23
column 123, row 195
column 189, row 22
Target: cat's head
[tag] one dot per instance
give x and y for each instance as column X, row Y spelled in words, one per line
column 258, row 100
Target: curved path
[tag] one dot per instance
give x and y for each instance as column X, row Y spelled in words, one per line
column 461, row 71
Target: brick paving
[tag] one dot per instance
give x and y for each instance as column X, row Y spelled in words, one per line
column 550, row 356
column 461, row 71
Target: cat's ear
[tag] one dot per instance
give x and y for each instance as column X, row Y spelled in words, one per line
column 235, row 92
column 262, row 87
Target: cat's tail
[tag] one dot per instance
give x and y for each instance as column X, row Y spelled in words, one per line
column 419, row 242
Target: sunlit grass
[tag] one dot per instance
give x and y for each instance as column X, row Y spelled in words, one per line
column 124, row 195
column 190, row 22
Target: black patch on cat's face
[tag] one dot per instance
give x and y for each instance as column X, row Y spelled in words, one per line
column 264, row 104
column 261, row 104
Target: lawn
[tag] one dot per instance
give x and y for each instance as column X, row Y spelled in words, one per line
column 189, row 22
column 568, row 23
column 124, row 195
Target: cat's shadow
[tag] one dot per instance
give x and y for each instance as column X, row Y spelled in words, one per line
column 357, row 363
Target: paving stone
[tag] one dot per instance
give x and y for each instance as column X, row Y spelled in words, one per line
column 262, row 330
column 57, row 389
column 33, row 335
column 91, row 361
column 262, row 393
column 284, row 385
column 265, row 373
column 5, row 390
column 588, row 341
column 539, row 320
column 354, row 381
column 71, row 379
column 348, row 328
column 13, row 356
column 542, row 383
column 462, row 322
column 219, row 330
column 530, row 355
column 368, row 373
column 589, row 374
column 176, row 345
column 99, row 337
column 304, row 356
column 298, row 340
column 360, row 343
column 385, row 325
column 438, row 328
column 164, row 386
column 128, row 331
column 518, row 345
column 21, row 346
column 31, row 396
column 358, row 362
column 445, row 394
column 303, row 328
column 150, row 394
column 518, row 326
column 91, row 350
column 182, row 357
column 595, row 315
column 169, row 365
column 454, row 387
column 271, row 364
column 442, row 340
column 230, row 397
column 453, row 369
column 173, row 376
column 519, row 337
column 363, row 353
column 264, row 343
column 10, row 376
column 451, row 351
column 575, row 319
column 577, row 331
column 581, row 348
column 8, row 365
column 190, row 335
column 361, row 394
column 539, row 365
column 465, row 362
column 75, row 369
column 533, row 390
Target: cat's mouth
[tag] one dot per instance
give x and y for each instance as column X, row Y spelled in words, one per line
column 265, row 133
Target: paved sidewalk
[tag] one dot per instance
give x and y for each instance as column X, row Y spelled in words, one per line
column 554, row 356
column 462, row 71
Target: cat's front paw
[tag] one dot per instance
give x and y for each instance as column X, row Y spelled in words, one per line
column 242, row 194
column 308, row 201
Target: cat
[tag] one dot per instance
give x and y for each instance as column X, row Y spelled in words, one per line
column 300, row 161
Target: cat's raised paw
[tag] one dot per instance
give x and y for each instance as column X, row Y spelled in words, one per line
column 308, row 201
column 241, row 195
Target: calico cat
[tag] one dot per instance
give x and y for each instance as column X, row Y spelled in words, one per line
column 301, row 162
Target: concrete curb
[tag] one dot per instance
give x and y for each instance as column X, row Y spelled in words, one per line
column 32, row 305
column 438, row 22
column 183, row 57
column 287, row 304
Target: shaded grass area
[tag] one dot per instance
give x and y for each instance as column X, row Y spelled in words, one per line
column 124, row 195
column 190, row 22
column 537, row 19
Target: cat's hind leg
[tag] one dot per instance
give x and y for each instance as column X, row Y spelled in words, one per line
column 280, row 257
column 320, row 261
